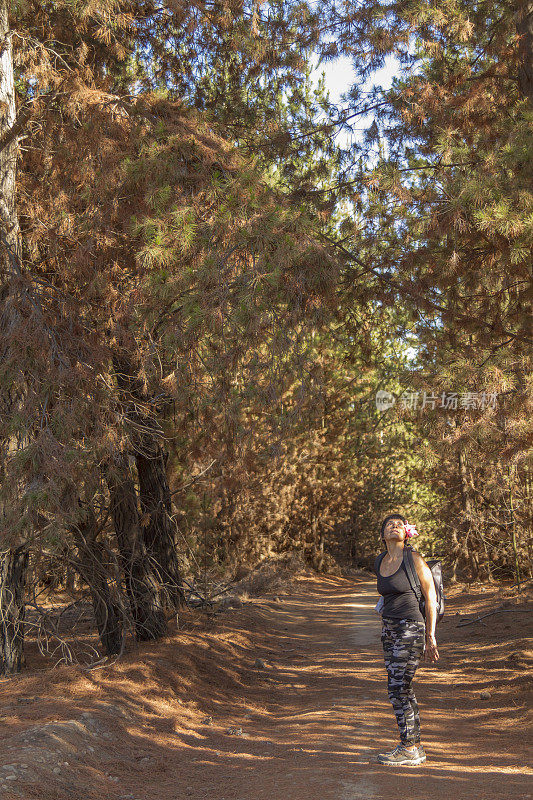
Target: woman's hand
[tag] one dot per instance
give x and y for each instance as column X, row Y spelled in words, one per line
column 431, row 653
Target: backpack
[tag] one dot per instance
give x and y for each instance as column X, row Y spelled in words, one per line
column 436, row 571
column 435, row 567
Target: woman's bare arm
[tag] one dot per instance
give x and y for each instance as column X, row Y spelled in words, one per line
column 428, row 589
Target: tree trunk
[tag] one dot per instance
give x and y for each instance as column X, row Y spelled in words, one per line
column 320, row 562
column 8, row 154
column 512, row 527
column 468, row 510
column 159, row 528
column 529, row 518
column 13, row 564
column 317, row 545
column 91, row 566
column 524, row 28
column 456, row 550
column 160, row 532
column 141, row 583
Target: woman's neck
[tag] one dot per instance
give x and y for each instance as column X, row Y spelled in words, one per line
column 395, row 550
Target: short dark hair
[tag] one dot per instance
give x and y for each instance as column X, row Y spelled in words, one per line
column 391, row 516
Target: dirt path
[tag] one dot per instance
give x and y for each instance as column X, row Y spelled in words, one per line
column 328, row 713
column 311, row 720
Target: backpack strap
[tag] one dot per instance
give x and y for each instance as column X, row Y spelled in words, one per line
column 412, row 574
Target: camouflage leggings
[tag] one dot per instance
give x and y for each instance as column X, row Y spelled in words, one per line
column 403, row 645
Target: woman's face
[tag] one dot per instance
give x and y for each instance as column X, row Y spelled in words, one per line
column 394, row 530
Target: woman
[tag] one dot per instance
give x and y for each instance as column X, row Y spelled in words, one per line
column 405, row 636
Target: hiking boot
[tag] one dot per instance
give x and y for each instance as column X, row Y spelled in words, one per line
column 421, row 752
column 389, row 755
column 401, row 755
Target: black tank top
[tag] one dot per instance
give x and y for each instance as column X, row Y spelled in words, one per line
column 399, row 599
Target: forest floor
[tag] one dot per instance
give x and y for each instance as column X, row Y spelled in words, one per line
column 194, row 717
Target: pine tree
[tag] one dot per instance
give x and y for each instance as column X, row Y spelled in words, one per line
column 154, row 258
column 446, row 209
